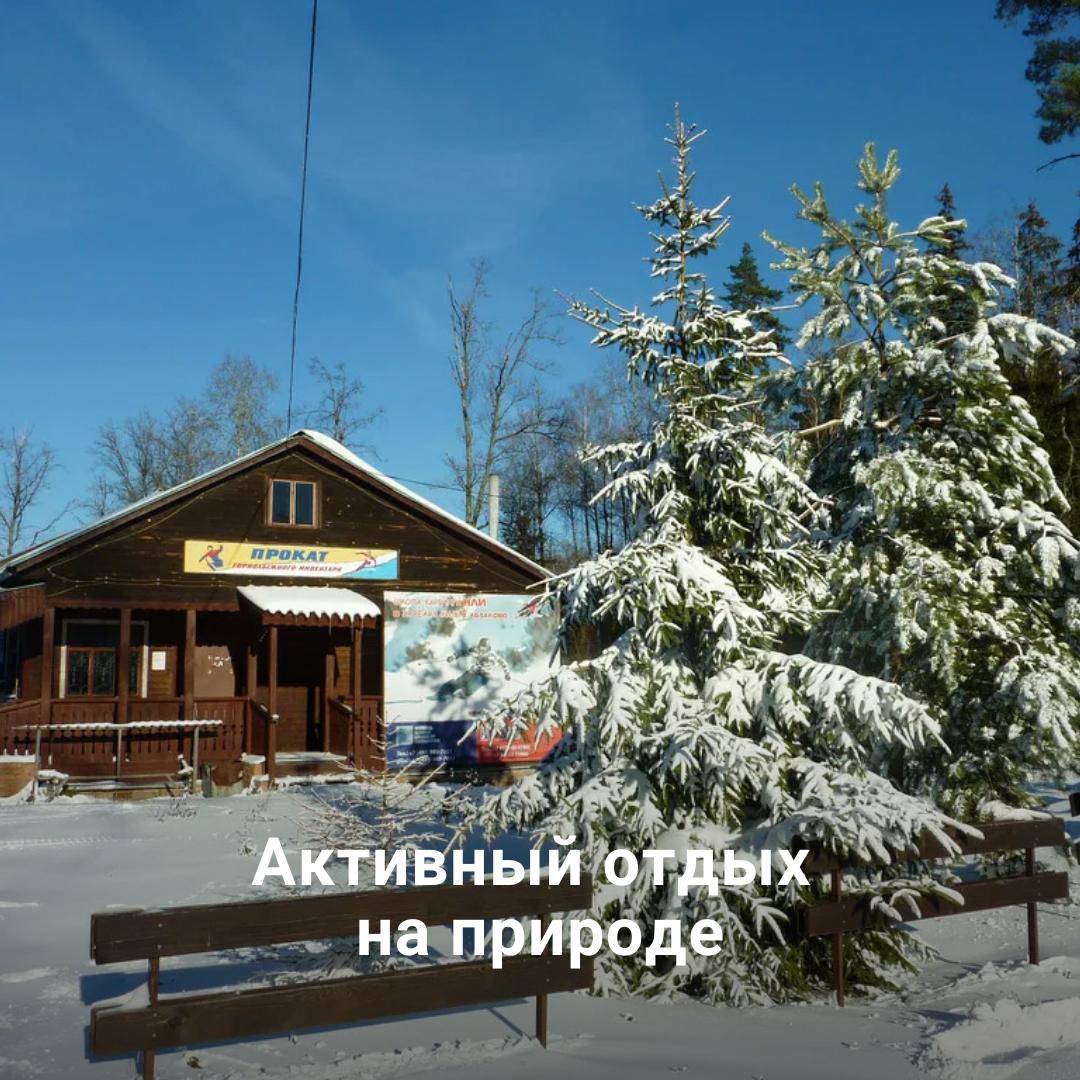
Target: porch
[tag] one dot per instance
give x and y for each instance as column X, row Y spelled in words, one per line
column 137, row 693
column 85, row 740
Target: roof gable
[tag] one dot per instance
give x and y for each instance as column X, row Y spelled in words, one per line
column 312, row 442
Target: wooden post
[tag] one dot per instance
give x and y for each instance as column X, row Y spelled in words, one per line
column 189, row 664
column 1032, row 911
column 542, row 1000
column 37, row 764
column 358, row 753
column 119, row 750
column 153, row 978
column 123, row 664
column 194, row 759
column 271, row 724
column 328, row 689
column 838, row 943
column 251, row 686
column 48, row 626
column 271, row 750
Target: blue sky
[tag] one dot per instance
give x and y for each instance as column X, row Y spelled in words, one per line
column 150, row 186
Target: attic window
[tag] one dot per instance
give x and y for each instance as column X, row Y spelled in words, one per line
column 292, row 502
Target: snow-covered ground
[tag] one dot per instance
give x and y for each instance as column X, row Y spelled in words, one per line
column 978, row 1013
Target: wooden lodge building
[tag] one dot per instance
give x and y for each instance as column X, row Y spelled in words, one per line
column 239, row 613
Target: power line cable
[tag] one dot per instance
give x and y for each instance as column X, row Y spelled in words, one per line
column 303, row 203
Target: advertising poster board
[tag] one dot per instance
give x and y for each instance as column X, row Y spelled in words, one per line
column 315, row 563
column 451, row 658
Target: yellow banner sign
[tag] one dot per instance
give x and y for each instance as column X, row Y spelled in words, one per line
column 260, row 559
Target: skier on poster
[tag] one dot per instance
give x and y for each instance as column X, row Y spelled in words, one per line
column 484, row 661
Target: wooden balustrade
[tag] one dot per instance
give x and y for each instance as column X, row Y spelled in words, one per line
column 340, row 721
column 14, row 716
column 369, row 735
column 79, row 746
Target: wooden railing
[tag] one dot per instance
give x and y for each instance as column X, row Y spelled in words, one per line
column 83, row 710
column 82, row 750
column 14, row 716
column 75, row 743
column 340, row 724
column 262, row 734
column 369, row 735
column 847, row 914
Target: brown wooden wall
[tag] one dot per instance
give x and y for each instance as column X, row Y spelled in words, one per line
column 143, row 560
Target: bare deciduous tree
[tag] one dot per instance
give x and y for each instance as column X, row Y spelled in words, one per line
column 531, row 474
column 240, row 399
column 338, row 411
column 130, row 456
column 145, row 454
column 26, row 466
column 495, row 378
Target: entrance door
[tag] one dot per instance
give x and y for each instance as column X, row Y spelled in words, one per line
column 300, row 678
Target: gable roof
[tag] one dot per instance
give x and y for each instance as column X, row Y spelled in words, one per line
column 304, row 438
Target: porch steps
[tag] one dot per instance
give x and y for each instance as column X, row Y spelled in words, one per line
column 134, row 788
column 314, row 767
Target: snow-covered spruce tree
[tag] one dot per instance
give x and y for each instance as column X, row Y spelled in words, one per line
column 953, row 577
column 693, row 729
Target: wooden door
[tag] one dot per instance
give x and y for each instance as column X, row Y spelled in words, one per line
column 300, row 678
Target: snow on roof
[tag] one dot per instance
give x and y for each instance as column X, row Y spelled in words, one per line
column 326, row 443
column 315, row 601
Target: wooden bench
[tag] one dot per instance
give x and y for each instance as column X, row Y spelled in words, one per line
column 841, row 915
column 234, row 1014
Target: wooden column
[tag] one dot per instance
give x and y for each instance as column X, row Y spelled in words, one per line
column 251, row 685
column 251, row 673
column 189, row 664
column 328, row 689
column 357, row 748
column 123, row 666
column 48, row 627
column 271, row 724
column 271, row 702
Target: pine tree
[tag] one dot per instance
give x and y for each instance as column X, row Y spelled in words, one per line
column 957, row 310
column 694, row 728
column 1038, row 268
column 1046, row 380
column 747, row 292
column 954, row 578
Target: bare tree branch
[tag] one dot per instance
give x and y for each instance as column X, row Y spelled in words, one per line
column 337, row 412
column 26, row 467
column 494, row 382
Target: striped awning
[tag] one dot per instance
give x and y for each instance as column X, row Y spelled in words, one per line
column 310, row 605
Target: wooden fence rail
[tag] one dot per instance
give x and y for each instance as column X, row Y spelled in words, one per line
column 192, row 1019
column 846, row 914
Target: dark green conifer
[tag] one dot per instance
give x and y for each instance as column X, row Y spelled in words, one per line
column 746, row 291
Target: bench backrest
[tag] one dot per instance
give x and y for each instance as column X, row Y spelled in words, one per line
column 231, row 1014
column 143, row 935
